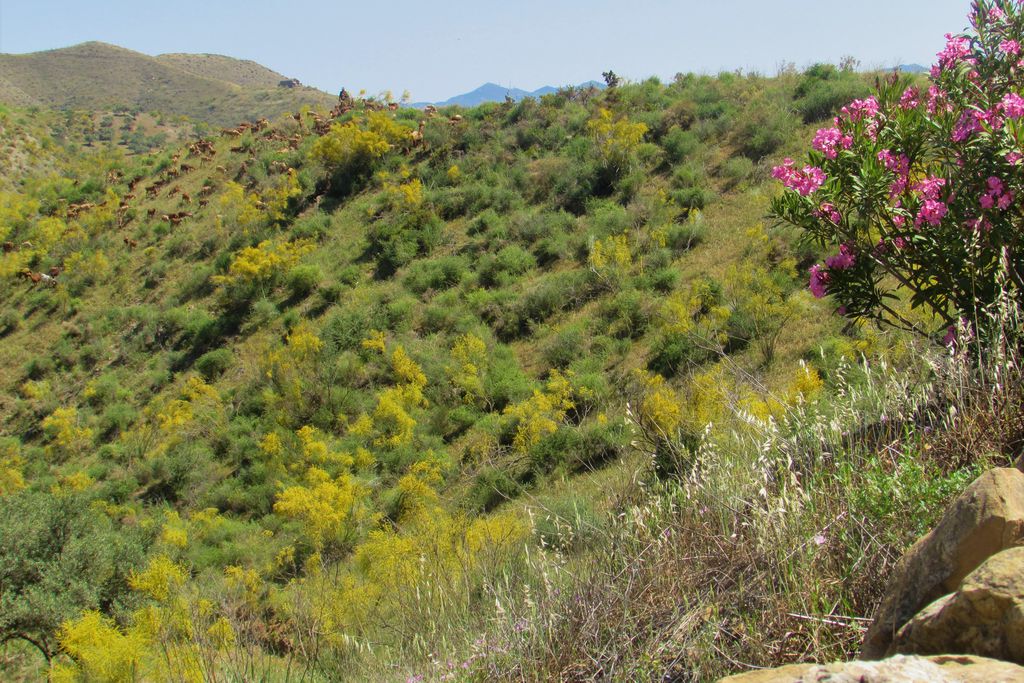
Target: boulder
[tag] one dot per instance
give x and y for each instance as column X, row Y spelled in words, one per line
column 898, row 669
column 984, row 617
column 987, row 517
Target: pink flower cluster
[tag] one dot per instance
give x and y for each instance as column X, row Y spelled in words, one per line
column 967, row 126
column 861, row 109
column 829, row 140
column 830, row 212
column 1009, row 47
column 997, row 195
column 933, row 209
column 819, row 281
column 900, row 165
column 930, row 187
column 1012, row 105
column 910, row 98
column 843, row 260
column 938, row 100
column 805, row 181
column 958, row 49
column 931, row 212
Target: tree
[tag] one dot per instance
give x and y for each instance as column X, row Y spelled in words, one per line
column 58, row 557
column 918, row 189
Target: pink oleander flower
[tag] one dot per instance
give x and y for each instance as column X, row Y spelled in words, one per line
column 957, row 50
column 829, row 140
column 967, row 126
column 900, row 243
column 805, row 181
column 841, row 261
column 996, row 196
column 930, row 187
column 1012, row 105
column 932, row 212
column 979, row 225
column 1013, row 158
column 937, row 99
column 830, row 212
column 909, row 99
column 1009, row 47
column 819, row 281
column 900, row 165
column 861, row 109
column 950, row 338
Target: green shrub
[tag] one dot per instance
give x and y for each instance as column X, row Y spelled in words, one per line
column 10, row 320
column 823, row 89
column 212, row 364
column 302, row 280
column 565, row 346
column 505, row 267
column 627, row 315
column 436, row 274
column 671, row 352
column 491, row 487
column 737, row 169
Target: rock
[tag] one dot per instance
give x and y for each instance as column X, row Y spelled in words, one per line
column 898, row 669
column 984, row 617
column 987, row 518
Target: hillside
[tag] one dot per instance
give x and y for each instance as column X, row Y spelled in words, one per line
column 100, row 77
column 334, row 400
column 242, row 72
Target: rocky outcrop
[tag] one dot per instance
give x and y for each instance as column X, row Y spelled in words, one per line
column 898, row 669
column 984, row 617
column 986, row 519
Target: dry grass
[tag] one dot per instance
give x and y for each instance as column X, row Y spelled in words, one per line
column 776, row 550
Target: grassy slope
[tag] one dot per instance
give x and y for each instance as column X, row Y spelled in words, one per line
column 243, row 72
column 118, row 343
column 101, row 77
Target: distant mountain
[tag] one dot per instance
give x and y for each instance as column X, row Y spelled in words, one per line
column 912, row 69
column 492, row 92
column 96, row 76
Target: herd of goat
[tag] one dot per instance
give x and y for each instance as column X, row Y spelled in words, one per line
column 204, row 151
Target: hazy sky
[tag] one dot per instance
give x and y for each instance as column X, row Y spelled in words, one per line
column 440, row 48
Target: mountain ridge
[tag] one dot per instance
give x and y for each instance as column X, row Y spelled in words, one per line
column 492, row 92
column 216, row 89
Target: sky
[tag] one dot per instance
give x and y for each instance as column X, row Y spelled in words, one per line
column 446, row 47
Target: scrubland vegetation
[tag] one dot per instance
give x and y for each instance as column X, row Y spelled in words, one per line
column 539, row 394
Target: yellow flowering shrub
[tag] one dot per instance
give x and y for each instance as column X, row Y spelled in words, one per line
column 330, row 510
column 610, row 258
column 62, row 426
column 102, row 652
column 238, row 209
column 347, row 146
column 11, row 463
column 261, row 265
column 161, row 578
column 469, row 356
column 616, row 139
column 540, row 415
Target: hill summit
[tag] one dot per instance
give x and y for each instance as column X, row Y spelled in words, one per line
column 212, row 88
